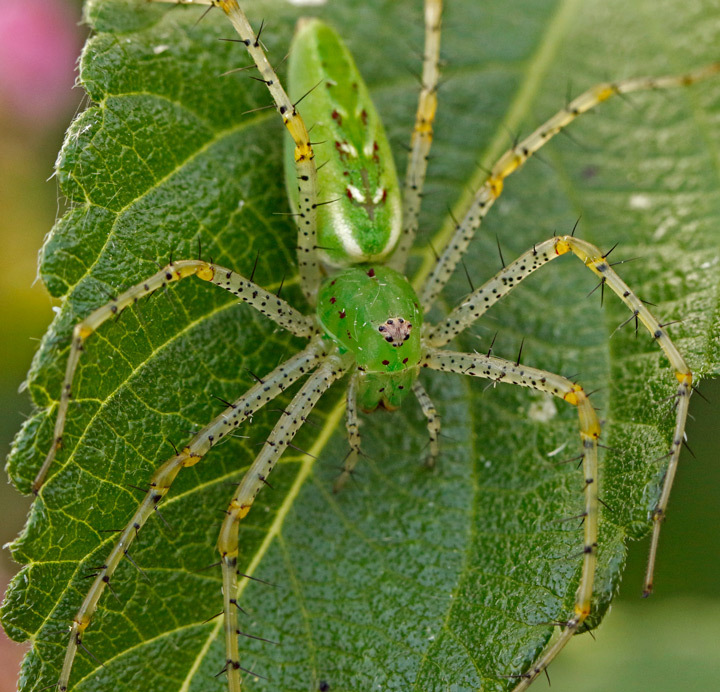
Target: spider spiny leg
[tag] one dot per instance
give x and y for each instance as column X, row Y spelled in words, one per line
column 478, row 302
column 248, row 404
column 266, row 303
column 433, row 422
column 422, row 135
column 595, row 260
column 308, row 263
column 353, row 433
column 330, row 369
column 499, row 370
column 439, row 274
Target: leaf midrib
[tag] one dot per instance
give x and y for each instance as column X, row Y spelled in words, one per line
column 306, row 466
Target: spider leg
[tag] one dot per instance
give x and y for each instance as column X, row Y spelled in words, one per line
column 329, row 370
column 433, row 421
column 516, row 156
column 266, row 303
column 422, row 135
column 248, row 404
column 353, row 433
column 499, row 370
column 481, row 299
column 308, row 263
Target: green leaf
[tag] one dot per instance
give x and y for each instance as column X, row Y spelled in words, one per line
column 410, row 579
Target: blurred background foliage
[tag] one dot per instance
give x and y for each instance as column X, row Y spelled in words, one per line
column 665, row 644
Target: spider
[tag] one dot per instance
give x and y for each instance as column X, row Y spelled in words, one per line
column 367, row 323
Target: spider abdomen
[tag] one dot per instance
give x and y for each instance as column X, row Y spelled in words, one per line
column 359, row 211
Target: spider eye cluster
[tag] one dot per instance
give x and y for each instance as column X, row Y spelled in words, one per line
column 396, row 331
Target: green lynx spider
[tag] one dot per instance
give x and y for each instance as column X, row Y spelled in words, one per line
column 369, row 322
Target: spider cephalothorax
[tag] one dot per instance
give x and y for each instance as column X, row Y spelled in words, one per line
column 350, row 304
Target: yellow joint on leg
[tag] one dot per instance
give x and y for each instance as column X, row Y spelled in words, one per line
column 303, row 152
column 575, row 395
column 684, row 378
column 206, row 273
column 296, row 127
column 226, row 5
column 238, row 510
column 507, row 165
column 605, row 93
column 582, row 610
column 592, row 431
column 190, row 457
column 427, row 109
column 562, row 246
column 83, row 331
column 183, row 270
column 83, row 622
column 516, row 162
column 424, row 127
column 496, row 185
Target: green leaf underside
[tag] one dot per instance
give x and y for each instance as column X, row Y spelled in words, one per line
column 410, row 579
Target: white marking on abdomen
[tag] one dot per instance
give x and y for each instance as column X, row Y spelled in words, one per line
column 344, row 232
column 356, row 194
column 348, row 149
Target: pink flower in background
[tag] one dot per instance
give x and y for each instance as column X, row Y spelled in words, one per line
column 39, row 41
